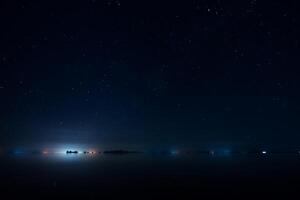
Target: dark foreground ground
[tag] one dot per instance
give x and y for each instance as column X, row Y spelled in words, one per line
column 141, row 176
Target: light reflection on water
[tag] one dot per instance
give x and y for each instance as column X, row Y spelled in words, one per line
column 71, row 157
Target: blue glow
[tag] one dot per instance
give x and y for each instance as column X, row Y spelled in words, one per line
column 18, row 151
column 60, row 152
column 174, row 152
column 264, row 152
column 220, row 152
column 226, row 152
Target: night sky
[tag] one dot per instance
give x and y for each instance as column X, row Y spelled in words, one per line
column 144, row 75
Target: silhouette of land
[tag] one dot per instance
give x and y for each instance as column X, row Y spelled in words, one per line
column 71, row 152
column 121, row 152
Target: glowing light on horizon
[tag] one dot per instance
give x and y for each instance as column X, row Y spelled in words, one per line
column 174, row 152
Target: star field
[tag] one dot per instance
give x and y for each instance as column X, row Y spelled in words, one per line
column 150, row 74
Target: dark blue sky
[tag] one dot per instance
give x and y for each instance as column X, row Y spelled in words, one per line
column 123, row 74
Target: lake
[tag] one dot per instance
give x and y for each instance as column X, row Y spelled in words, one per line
column 149, row 176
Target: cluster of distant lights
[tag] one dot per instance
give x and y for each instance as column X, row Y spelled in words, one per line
column 84, row 152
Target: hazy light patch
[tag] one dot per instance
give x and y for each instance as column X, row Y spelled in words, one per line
column 221, row 152
column 60, row 152
column 175, row 152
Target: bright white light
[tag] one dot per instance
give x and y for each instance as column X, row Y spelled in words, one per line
column 59, row 151
column 264, row 152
